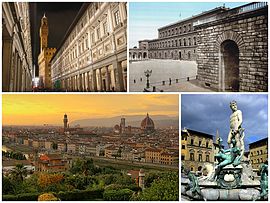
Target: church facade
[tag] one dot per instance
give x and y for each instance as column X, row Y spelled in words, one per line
column 92, row 56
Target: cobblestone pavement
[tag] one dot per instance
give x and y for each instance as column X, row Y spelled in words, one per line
column 162, row 70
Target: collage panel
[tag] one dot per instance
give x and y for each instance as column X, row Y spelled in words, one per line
column 198, row 47
column 102, row 122
column 224, row 147
column 64, row 46
column 90, row 147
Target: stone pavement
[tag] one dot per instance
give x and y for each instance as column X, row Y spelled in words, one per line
column 183, row 86
column 162, row 70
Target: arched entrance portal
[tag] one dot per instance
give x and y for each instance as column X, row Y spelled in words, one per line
column 144, row 55
column 229, row 63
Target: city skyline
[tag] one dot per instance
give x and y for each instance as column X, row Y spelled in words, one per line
column 49, row 109
column 209, row 113
column 144, row 22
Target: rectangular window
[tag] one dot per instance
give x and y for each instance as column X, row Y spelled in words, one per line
column 93, row 37
column 98, row 33
column 192, row 157
column 200, row 157
column 183, row 146
column 117, row 17
column 105, row 27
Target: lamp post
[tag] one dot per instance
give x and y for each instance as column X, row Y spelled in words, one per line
column 147, row 73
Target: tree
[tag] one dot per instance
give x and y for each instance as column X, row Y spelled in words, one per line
column 84, row 166
column 7, row 185
column 19, row 172
column 117, row 195
column 165, row 188
column 47, row 197
column 150, row 177
column 45, row 179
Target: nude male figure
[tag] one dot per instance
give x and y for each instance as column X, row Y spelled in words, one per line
column 236, row 130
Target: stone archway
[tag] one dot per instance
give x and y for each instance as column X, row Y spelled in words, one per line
column 144, row 55
column 229, row 59
column 229, row 45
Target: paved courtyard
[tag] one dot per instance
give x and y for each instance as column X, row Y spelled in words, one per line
column 164, row 70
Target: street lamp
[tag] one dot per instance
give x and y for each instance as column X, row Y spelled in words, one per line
column 147, row 73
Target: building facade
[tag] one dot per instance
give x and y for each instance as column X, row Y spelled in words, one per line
column 258, row 153
column 177, row 41
column 141, row 53
column 232, row 49
column 229, row 45
column 52, row 163
column 197, row 149
column 92, row 56
column 45, row 56
column 17, row 64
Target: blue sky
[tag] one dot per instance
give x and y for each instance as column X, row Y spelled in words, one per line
column 145, row 18
column 209, row 113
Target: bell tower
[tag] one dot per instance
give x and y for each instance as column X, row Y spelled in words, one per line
column 43, row 33
column 65, row 122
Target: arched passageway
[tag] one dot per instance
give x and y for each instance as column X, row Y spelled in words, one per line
column 229, row 53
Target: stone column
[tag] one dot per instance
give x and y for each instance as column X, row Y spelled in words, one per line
column 72, row 83
column 119, row 76
column 23, row 81
column 16, row 72
column 94, row 80
column 84, row 81
column 80, row 82
column 19, row 82
column 6, row 63
column 69, row 84
column 87, row 82
column 108, row 79
column 100, row 80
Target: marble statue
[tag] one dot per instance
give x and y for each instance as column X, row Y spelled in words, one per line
column 236, row 130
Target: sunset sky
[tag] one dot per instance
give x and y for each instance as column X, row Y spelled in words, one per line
column 26, row 109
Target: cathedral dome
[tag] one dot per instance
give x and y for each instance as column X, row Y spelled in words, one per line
column 147, row 124
column 116, row 127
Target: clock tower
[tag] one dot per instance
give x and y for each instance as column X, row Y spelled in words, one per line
column 45, row 56
column 43, row 33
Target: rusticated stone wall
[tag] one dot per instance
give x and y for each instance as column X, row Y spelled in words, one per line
column 248, row 30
